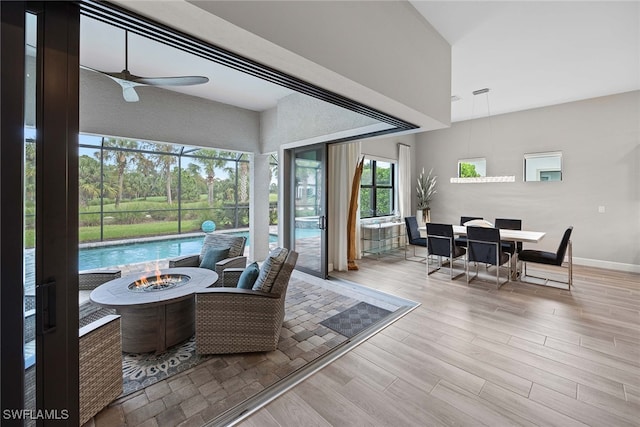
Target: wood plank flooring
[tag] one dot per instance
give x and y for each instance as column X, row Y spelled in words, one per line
column 472, row 355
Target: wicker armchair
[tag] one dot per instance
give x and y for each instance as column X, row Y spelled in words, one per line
column 88, row 280
column 100, row 365
column 236, row 257
column 231, row 320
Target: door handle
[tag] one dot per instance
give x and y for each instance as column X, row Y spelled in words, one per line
column 46, row 307
column 322, row 222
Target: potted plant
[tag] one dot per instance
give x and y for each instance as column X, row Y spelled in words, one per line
column 425, row 191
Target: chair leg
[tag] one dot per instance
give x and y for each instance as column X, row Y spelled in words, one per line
column 570, row 265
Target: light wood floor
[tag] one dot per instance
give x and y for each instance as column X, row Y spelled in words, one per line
column 473, row 355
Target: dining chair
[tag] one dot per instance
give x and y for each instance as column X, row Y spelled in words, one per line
column 462, row 240
column 440, row 242
column 550, row 258
column 484, row 246
column 510, row 224
column 413, row 234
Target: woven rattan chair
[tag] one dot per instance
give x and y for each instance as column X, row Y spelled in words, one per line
column 100, row 365
column 236, row 258
column 231, row 320
column 88, row 280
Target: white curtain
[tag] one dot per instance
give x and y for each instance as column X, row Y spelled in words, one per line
column 341, row 167
column 404, row 180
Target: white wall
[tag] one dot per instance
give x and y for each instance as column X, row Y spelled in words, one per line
column 600, row 142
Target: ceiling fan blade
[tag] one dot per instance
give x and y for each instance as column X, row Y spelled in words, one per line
column 172, row 81
column 130, row 94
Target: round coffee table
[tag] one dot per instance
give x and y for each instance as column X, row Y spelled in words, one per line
column 155, row 319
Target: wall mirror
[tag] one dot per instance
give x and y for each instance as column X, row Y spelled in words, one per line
column 472, row 168
column 543, row 166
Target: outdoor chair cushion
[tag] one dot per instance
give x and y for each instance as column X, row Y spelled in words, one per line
column 249, row 276
column 223, row 240
column 212, row 256
column 270, row 269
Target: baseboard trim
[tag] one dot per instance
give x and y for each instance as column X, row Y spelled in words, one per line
column 609, row 265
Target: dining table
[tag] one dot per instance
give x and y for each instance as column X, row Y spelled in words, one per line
column 525, row 236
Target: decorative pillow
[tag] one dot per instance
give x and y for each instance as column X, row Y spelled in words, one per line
column 478, row 223
column 212, row 256
column 224, row 240
column 248, row 276
column 270, row 269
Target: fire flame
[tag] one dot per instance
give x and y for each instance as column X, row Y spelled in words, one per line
column 156, row 276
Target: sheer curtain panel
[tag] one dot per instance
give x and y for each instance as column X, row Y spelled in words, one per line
column 341, row 167
column 404, row 180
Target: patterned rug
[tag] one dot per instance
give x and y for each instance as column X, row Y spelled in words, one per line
column 355, row 319
column 140, row 370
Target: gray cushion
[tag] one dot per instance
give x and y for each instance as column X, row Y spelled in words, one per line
column 224, row 240
column 270, row 270
column 248, row 276
column 212, row 256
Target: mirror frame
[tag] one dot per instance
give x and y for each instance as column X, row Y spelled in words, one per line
column 546, row 154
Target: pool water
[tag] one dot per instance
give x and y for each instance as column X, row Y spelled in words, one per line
column 132, row 253
column 137, row 252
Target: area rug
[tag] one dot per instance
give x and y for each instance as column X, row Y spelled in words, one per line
column 355, row 319
column 140, row 370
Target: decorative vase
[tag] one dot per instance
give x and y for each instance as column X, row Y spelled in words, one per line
column 420, row 218
column 426, row 215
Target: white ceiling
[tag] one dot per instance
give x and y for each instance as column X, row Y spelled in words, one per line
column 528, row 53
column 102, row 48
column 536, row 53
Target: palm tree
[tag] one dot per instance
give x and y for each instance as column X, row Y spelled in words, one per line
column 243, row 181
column 122, row 158
column 210, row 160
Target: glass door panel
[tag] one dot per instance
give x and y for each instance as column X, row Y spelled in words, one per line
column 29, row 202
column 309, row 209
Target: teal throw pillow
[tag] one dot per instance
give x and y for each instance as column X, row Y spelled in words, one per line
column 248, row 276
column 212, row 256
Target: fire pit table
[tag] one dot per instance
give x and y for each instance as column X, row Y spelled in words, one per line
column 157, row 309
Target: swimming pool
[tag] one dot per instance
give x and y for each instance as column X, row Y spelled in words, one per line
column 134, row 252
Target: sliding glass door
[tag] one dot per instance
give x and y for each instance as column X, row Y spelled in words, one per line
column 38, row 222
column 308, row 209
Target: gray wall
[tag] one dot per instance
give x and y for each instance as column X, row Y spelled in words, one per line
column 600, row 142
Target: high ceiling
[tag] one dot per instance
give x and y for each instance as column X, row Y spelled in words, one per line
column 536, row 53
column 528, row 53
column 102, row 47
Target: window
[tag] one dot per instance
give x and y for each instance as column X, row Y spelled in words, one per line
column 377, row 189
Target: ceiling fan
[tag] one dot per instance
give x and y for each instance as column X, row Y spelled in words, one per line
column 129, row 81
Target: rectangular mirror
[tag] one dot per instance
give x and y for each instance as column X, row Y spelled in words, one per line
column 472, row 168
column 543, row 166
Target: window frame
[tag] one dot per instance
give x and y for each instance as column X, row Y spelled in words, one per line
column 374, row 186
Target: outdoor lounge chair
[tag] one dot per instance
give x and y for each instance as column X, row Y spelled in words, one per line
column 233, row 320
column 100, row 351
column 235, row 259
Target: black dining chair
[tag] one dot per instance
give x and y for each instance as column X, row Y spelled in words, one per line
column 550, row 258
column 510, row 224
column 413, row 234
column 440, row 242
column 484, row 246
column 462, row 240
